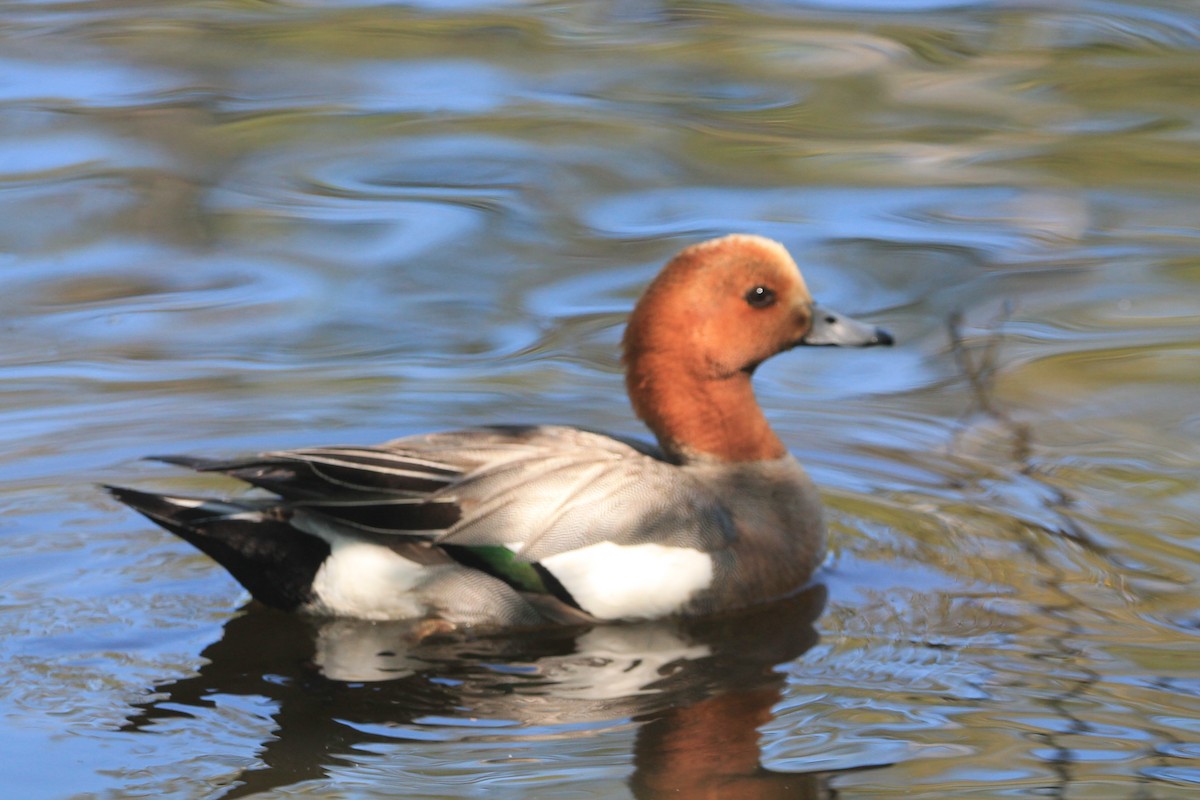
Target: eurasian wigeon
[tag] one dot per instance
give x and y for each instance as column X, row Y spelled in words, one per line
column 527, row 525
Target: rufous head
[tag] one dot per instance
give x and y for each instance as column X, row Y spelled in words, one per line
column 715, row 312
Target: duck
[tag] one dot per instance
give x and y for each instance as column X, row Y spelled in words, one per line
column 510, row 526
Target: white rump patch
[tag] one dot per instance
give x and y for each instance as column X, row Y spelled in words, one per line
column 368, row 581
column 640, row 581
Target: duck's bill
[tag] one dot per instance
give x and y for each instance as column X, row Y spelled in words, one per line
column 831, row 329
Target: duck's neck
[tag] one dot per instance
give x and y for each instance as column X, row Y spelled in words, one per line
column 701, row 418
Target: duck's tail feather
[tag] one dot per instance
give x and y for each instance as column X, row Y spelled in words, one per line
column 273, row 560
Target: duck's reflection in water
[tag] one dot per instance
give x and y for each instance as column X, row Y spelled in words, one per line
column 698, row 691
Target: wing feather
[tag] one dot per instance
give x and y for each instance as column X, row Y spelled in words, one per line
column 586, row 499
column 537, row 490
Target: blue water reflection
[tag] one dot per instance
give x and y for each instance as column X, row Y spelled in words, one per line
column 232, row 227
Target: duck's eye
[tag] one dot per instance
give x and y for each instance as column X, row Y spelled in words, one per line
column 760, row 297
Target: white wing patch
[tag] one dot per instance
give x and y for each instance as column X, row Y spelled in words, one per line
column 641, row 581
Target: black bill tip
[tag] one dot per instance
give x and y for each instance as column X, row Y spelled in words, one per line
column 882, row 337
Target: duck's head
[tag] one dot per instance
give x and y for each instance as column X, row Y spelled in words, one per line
column 716, row 311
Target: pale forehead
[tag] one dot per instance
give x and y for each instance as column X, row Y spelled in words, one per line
column 748, row 241
column 760, row 248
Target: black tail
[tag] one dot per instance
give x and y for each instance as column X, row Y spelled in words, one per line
column 261, row 550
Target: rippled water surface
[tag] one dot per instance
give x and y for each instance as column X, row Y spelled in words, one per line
column 229, row 226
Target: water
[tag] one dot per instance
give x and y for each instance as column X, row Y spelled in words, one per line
column 236, row 226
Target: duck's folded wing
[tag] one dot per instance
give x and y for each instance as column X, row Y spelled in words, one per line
column 541, row 507
column 538, row 491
